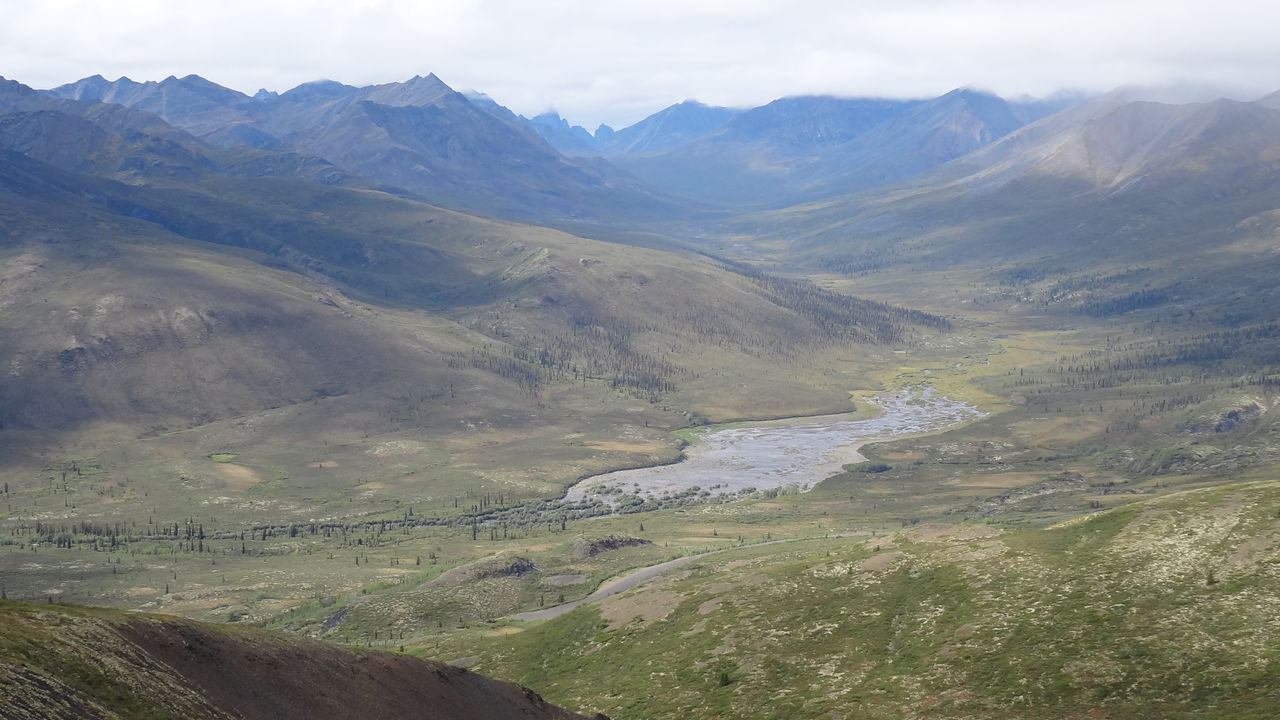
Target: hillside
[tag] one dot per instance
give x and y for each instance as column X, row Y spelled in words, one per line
column 1162, row 608
column 72, row 662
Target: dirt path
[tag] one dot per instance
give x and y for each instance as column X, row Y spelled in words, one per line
column 632, row 579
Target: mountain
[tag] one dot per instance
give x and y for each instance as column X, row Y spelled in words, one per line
column 418, row 135
column 1112, row 153
column 800, row 124
column 921, row 137
column 1272, row 100
column 567, row 139
column 806, row 148
column 73, row 662
column 191, row 102
column 669, row 128
column 1065, row 210
column 130, row 145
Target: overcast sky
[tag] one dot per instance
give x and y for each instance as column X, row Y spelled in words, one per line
column 601, row 60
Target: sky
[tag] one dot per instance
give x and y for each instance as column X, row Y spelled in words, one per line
column 617, row 61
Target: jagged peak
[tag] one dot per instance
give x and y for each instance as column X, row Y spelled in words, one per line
column 429, row 80
column 195, row 79
column 13, row 86
column 417, row 90
column 549, row 116
column 968, row 94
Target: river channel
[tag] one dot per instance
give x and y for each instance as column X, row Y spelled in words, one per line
column 787, row 455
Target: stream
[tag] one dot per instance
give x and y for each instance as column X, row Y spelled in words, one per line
column 783, row 455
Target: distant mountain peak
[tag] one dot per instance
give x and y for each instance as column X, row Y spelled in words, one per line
column 969, row 92
column 416, row 91
column 565, row 138
column 318, row 88
column 14, row 87
column 428, row 81
column 550, row 117
column 670, row 127
column 1270, row 101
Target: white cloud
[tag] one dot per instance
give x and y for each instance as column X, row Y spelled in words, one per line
column 617, row 61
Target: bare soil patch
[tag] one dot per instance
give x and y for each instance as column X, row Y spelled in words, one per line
column 647, row 606
column 883, row 561
column 564, row 579
column 234, row 477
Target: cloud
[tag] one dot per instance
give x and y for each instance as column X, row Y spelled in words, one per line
column 616, row 61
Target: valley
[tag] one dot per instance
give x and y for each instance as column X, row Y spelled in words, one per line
column 951, row 407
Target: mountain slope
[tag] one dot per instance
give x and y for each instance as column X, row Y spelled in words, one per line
column 922, row 137
column 806, row 148
column 567, row 139
column 191, row 102
column 668, row 128
column 1103, row 183
column 69, row 662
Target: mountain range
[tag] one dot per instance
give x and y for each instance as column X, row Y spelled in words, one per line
column 469, row 152
column 418, row 135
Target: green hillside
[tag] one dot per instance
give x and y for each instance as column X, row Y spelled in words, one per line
column 1162, row 608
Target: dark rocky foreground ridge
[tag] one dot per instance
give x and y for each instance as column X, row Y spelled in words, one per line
column 61, row 662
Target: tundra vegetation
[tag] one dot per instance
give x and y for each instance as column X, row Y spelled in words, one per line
column 262, row 388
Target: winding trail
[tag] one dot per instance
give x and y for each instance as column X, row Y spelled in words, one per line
column 634, row 578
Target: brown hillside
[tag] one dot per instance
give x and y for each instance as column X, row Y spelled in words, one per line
column 58, row 662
